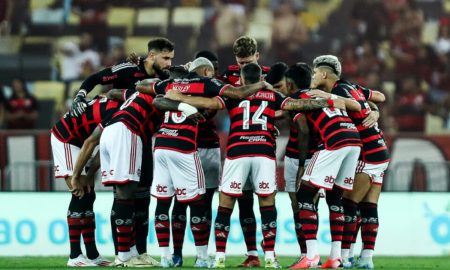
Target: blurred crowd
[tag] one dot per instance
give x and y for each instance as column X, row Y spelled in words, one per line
column 390, row 45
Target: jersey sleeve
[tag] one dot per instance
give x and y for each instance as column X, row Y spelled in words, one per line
column 342, row 91
column 366, row 92
column 280, row 101
column 128, row 93
column 110, row 75
column 214, row 87
column 160, row 87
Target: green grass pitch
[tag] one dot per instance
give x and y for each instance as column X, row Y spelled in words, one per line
column 386, row 263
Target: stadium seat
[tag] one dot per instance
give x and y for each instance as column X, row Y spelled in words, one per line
column 153, row 17
column 430, row 32
column 50, row 90
column 262, row 16
column 45, row 30
column 121, row 16
column 10, row 44
column 137, row 44
column 37, row 4
column 310, row 19
column 36, row 67
column 193, row 16
column 37, row 48
column 117, row 31
column 184, row 38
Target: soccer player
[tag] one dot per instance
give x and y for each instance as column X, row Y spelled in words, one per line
column 67, row 137
column 209, row 154
column 245, row 50
column 372, row 163
column 332, row 166
column 250, row 153
column 125, row 76
column 123, row 136
column 178, row 170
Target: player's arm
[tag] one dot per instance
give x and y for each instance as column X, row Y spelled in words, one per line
column 244, row 91
column 120, row 94
column 372, row 118
column 214, row 103
column 372, row 95
column 85, row 153
column 165, row 104
column 293, row 104
column 150, row 87
column 350, row 103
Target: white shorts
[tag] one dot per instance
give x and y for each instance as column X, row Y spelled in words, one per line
column 120, row 155
column 333, row 167
column 374, row 171
column 64, row 157
column 177, row 174
column 210, row 159
column 260, row 170
column 290, row 174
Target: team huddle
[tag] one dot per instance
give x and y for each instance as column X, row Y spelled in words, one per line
column 335, row 150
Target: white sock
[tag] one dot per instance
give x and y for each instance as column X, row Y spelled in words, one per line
column 165, row 252
column 124, row 256
column 311, row 248
column 220, row 255
column 367, row 253
column 344, row 253
column 270, row 255
column 202, row 252
column 252, row 253
column 134, row 251
column 335, row 250
column 351, row 253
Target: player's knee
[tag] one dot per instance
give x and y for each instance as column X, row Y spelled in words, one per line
column 267, row 200
column 226, row 201
column 126, row 191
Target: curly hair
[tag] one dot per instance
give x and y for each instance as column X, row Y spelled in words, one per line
column 245, row 46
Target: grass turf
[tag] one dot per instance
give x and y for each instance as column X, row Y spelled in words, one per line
column 386, row 263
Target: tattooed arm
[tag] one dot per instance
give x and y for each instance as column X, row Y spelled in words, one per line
column 245, row 90
column 293, row 104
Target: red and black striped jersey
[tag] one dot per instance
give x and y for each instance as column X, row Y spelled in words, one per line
column 374, row 148
column 292, row 150
column 252, row 124
column 75, row 130
column 332, row 127
column 138, row 114
column 177, row 132
column 207, row 135
column 232, row 74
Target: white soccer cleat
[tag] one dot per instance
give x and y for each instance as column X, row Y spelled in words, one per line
column 166, row 262
column 148, row 259
column 79, row 261
column 100, row 261
column 202, row 263
column 365, row 263
column 131, row 262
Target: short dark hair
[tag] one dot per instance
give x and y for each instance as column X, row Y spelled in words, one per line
column 207, row 54
column 251, row 73
column 160, row 44
column 245, row 46
column 300, row 74
column 177, row 72
column 276, row 72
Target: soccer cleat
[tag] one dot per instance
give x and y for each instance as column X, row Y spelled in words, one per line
column 346, row 263
column 131, row 262
column 147, row 259
column 364, row 263
column 79, row 261
column 202, row 263
column 297, row 261
column 218, row 263
column 272, row 263
column 166, row 262
column 100, row 261
column 304, row 263
column 251, row 261
column 177, row 260
column 336, row 263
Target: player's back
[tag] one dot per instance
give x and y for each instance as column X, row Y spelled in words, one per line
column 252, row 124
column 332, row 125
column 76, row 129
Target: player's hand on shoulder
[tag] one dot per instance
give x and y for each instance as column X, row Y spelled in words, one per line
column 339, row 104
column 319, row 93
column 371, row 119
column 197, row 117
